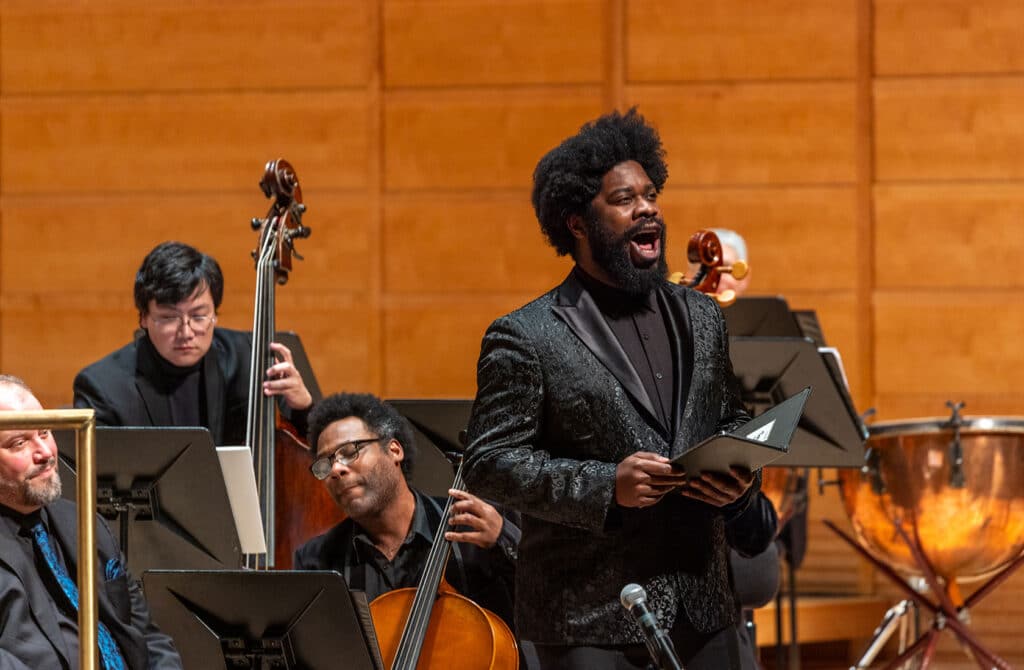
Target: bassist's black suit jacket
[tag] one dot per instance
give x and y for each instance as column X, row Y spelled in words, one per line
column 125, row 387
column 30, row 637
column 558, row 406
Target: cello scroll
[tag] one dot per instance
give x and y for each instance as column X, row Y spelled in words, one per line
column 705, row 250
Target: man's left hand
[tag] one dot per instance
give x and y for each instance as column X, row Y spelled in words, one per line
column 718, row 488
column 484, row 522
column 283, row 379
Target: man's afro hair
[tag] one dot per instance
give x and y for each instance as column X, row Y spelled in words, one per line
column 569, row 176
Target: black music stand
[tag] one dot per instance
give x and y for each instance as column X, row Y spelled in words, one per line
column 161, row 490
column 770, row 369
column 439, row 427
column 776, row 351
column 258, row 620
column 764, row 316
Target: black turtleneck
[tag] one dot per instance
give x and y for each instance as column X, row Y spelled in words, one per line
column 640, row 327
column 181, row 386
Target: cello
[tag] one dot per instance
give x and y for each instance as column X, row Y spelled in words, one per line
column 705, row 249
column 281, row 458
column 434, row 622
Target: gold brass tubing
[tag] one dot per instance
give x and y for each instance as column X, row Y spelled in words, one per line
column 83, row 422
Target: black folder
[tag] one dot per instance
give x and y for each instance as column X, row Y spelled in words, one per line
column 753, row 445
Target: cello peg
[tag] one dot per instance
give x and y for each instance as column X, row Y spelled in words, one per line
column 256, row 223
column 726, row 297
column 738, row 269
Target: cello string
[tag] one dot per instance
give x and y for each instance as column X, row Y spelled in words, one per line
column 415, row 629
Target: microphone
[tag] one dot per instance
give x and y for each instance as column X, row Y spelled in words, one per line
column 634, row 599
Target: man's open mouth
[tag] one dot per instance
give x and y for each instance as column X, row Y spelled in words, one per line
column 645, row 246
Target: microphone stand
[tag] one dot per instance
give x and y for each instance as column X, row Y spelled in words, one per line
column 659, row 645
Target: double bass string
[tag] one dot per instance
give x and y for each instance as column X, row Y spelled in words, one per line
column 257, row 430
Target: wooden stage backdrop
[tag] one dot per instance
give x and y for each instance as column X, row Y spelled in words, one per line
column 871, row 152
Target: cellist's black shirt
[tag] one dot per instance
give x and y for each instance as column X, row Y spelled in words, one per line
column 485, row 576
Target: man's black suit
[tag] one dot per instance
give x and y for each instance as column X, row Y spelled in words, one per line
column 126, row 387
column 558, row 406
column 30, row 637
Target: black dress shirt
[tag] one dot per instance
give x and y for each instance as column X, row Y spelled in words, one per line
column 640, row 327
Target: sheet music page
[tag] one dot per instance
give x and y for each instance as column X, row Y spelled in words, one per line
column 240, row 480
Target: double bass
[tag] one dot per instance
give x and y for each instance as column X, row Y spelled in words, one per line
column 434, row 622
column 293, row 507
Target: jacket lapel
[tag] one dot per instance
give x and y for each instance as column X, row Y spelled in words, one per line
column 64, row 524
column 577, row 309
column 691, row 321
column 14, row 558
column 677, row 320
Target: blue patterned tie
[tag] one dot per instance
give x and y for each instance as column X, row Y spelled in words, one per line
column 109, row 653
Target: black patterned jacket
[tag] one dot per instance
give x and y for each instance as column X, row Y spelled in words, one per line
column 558, row 406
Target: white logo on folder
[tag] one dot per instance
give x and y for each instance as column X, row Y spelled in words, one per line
column 763, row 433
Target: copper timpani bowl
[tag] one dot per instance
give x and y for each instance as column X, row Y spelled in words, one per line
column 968, row 521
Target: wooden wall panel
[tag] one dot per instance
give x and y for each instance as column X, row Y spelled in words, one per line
column 948, row 36
column 339, row 334
column 432, row 344
column 98, row 243
column 765, row 134
column 897, row 405
column 961, row 235
column 48, row 338
column 173, row 46
column 797, row 237
column 466, row 244
column 460, row 140
column 948, row 129
column 177, row 143
column 476, row 42
column 683, row 40
column 944, row 340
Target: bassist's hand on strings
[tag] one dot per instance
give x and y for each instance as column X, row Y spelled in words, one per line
column 283, row 379
column 482, row 523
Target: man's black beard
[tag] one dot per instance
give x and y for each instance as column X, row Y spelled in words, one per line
column 611, row 253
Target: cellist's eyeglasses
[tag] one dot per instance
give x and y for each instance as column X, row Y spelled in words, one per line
column 345, row 454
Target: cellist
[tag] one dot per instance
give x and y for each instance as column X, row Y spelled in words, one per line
column 181, row 369
column 365, row 450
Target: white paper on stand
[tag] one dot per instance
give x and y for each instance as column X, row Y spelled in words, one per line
column 240, row 480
